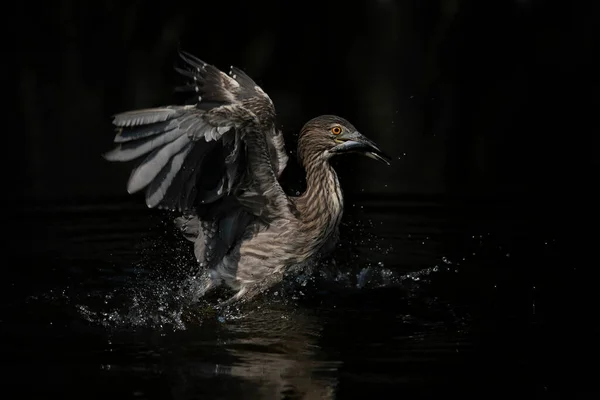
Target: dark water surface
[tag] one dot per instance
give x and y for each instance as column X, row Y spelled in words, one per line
column 425, row 299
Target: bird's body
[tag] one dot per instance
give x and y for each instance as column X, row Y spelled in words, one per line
column 219, row 161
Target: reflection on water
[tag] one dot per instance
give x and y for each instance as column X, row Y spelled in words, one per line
column 415, row 301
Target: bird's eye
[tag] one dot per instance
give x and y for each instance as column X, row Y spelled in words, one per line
column 336, row 130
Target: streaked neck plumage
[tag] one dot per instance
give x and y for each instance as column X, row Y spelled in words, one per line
column 321, row 205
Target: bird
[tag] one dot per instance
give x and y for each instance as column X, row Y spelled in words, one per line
column 217, row 161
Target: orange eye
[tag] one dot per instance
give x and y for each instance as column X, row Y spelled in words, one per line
column 336, row 130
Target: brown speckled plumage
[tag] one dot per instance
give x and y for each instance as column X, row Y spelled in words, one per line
column 218, row 162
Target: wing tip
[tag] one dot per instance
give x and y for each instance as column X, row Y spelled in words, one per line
column 134, row 186
column 192, row 60
column 112, row 155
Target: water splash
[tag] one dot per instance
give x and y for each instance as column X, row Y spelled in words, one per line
column 151, row 304
column 154, row 299
column 161, row 291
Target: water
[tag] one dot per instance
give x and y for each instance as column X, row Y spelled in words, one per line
column 424, row 299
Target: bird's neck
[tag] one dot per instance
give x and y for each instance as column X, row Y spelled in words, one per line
column 321, row 205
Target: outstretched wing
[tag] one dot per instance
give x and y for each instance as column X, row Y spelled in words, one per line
column 225, row 144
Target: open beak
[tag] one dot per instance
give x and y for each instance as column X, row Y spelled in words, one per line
column 357, row 143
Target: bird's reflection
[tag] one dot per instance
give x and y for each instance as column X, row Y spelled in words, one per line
column 271, row 352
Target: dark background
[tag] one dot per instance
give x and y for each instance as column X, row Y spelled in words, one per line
column 486, row 107
column 489, row 98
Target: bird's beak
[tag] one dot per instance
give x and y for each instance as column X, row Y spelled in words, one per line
column 357, row 143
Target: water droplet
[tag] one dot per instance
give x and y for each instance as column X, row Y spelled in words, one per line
column 507, row 254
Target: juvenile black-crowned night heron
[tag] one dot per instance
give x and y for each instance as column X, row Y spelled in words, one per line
column 218, row 163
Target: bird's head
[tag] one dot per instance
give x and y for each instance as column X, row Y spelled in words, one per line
column 329, row 135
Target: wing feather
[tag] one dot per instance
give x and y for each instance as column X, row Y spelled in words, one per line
column 218, row 158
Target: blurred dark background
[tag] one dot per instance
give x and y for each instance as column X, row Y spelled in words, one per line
column 476, row 101
column 470, row 97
